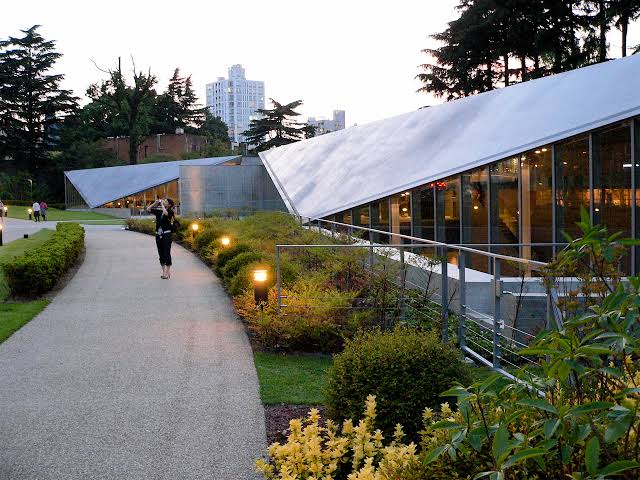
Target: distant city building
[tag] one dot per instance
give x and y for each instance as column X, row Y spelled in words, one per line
column 328, row 125
column 235, row 100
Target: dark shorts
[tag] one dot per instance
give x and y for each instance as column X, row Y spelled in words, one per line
column 163, row 242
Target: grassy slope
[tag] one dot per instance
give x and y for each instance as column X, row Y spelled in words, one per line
column 54, row 214
column 16, row 248
column 14, row 315
column 291, row 379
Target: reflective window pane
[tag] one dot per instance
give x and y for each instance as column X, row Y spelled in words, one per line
column 475, row 204
column 572, row 185
column 401, row 216
column 537, row 204
column 504, row 210
column 448, row 211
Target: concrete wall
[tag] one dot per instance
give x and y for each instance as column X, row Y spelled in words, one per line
column 245, row 186
column 114, row 212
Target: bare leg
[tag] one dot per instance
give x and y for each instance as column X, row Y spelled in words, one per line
column 168, row 274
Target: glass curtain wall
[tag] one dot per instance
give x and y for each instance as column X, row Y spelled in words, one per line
column 380, row 219
column 537, row 204
column 423, row 215
column 612, row 181
column 475, row 214
column 401, row 216
column 361, row 218
column 572, row 185
column 448, row 212
column 505, row 210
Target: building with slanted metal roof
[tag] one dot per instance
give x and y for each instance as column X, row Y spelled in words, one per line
column 197, row 186
column 507, row 170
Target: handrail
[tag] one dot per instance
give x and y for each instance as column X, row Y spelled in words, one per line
column 532, row 263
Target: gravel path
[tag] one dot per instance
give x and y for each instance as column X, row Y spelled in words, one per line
column 128, row 376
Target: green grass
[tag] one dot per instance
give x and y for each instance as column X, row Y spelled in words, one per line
column 17, row 248
column 15, row 315
column 54, row 214
column 291, row 379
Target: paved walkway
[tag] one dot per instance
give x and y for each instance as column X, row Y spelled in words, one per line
column 13, row 228
column 128, row 376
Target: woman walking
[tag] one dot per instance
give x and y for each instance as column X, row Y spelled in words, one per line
column 43, row 210
column 165, row 216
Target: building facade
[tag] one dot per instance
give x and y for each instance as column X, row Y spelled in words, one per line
column 508, row 171
column 324, row 125
column 235, row 100
column 173, row 145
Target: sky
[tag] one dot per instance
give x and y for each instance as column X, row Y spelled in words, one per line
column 356, row 55
column 361, row 56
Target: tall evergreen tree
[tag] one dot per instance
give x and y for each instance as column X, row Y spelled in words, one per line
column 32, row 102
column 276, row 127
column 624, row 12
column 131, row 103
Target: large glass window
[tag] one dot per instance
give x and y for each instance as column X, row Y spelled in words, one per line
column 401, row 216
column 422, row 214
column 380, row 219
column 612, row 180
column 475, row 211
column 448, row 211
column 505, row 209
column 572, row 185
column 361, row 218
column 537, row 204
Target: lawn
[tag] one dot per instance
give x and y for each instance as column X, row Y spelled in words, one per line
column 15, row 315
column 291, row 379
column 54, row 214
column 16, row 248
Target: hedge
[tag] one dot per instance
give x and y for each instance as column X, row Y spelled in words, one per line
column 38, row 270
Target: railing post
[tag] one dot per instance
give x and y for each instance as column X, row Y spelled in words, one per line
column 444, row 293
column 462, row 288
column 497, row 294
column 403, row 283
column 278, row 288
column 319, row 226
column 333, row 230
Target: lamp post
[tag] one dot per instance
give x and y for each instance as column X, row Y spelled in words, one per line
column 225, row 241
column 260, row 290
column 30, row 210
column 30, row 189
column 194, row 229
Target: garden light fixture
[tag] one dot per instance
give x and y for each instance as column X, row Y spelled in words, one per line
column 225, row 241
column 194, row 228
column 30, row 211
column 260, row 289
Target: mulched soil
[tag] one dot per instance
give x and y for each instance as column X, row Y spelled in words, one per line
column 278, row 416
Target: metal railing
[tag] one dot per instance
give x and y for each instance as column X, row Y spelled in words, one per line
column 483, row 336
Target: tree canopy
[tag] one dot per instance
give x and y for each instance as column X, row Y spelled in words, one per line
column 494, row 43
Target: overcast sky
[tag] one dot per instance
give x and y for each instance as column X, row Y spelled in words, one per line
column 357, row 55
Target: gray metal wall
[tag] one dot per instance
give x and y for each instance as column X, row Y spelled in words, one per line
column 204, row 188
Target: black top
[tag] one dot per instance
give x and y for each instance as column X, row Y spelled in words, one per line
column 163, row 221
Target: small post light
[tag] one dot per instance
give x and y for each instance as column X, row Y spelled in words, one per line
column 260, row 291
column 30, row 212
column 6, row 209
column 225, row 241
column 194, row 229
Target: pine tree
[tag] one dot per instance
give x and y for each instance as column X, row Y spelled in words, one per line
column 31, row 100
column 192, row 115
column 275, row 127
column 624, row 12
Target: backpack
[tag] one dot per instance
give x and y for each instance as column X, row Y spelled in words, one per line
column 175, row 225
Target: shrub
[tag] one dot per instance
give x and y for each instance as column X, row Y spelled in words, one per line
column 316, row 317
column 405, row 369
column 224, row 255
column 143, row 226
column 37, row 270
column 233, row 266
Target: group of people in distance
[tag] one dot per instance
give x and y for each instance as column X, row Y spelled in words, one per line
column 40, row 211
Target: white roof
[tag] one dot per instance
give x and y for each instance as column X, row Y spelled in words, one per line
column 102, row 185
column 340, row 170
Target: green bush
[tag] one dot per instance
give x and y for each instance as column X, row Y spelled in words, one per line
column 142, row 226
column 405, row 369
column 37, row 270
column 233, row 266
column 224, row 255
column 204, row 239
